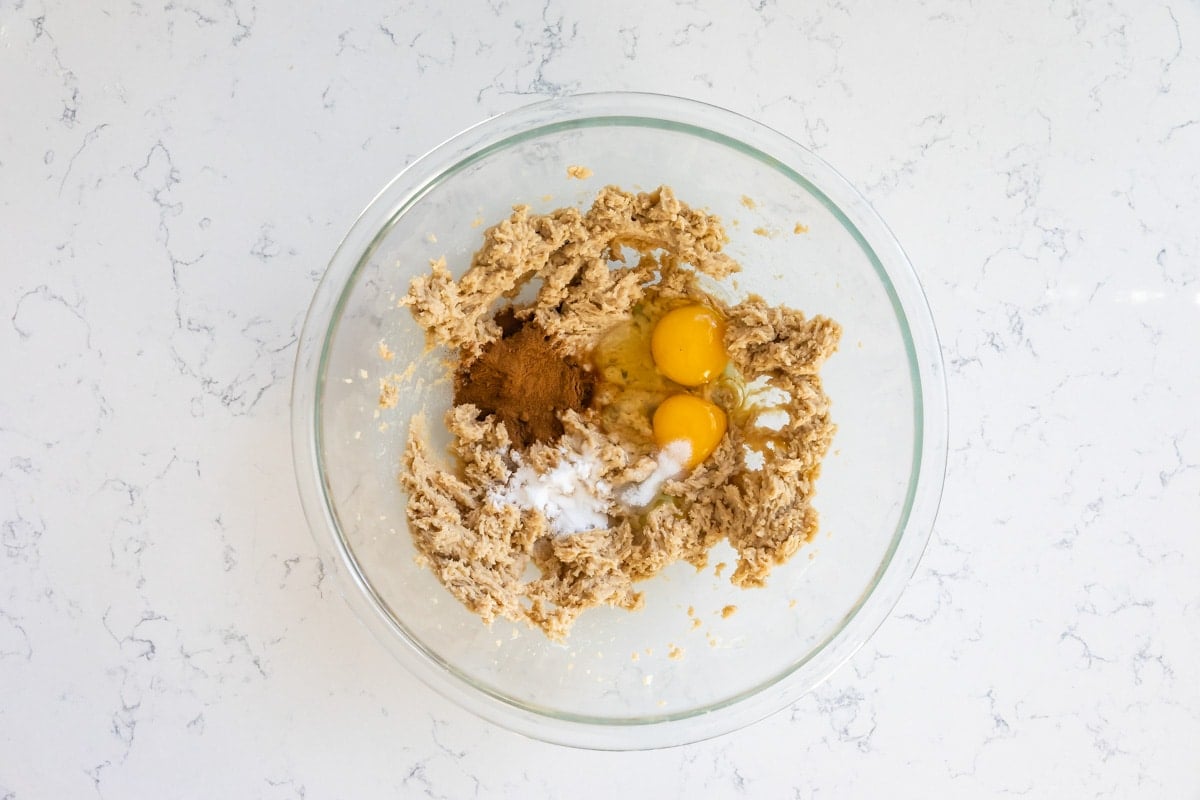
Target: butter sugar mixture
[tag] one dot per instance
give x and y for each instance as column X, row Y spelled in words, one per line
column 611, row 426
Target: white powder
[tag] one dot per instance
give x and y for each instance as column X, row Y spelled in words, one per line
column 769, row 401
column 773, row 419
column 670, row 462
column 570, row 496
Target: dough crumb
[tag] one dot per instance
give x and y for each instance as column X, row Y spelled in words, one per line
column 721, row 565
column 674, row 653
column 728, row 611
column 578, row 173
column 696, row 623
column 389, row 387
column 748, row 202
column 385, row 352
column 634, row 656
column 389, row 395
column 475, row 223
column 761, row 231
column 800, row 228
column 792, row 603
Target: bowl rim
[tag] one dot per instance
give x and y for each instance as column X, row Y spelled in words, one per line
column 913, row 315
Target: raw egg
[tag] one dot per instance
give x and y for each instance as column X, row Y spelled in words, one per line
column 688, row 345
column 685, row 417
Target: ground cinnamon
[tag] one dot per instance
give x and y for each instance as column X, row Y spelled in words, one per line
column 524, row 382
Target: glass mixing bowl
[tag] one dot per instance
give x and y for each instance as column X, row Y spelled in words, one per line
column 805, row 239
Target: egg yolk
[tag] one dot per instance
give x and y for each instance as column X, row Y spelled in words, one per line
column 688, row 345
column 685, row 417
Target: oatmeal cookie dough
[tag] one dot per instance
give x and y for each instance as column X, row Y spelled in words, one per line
column 569, row 252
column 592, row 269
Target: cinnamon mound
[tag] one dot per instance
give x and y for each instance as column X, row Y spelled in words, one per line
column 524, row 383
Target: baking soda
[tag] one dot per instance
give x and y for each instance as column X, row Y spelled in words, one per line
column 669, row 465
column 570, row 496
column 573, row 498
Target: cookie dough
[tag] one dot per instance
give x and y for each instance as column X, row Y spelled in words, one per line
column 627, row 257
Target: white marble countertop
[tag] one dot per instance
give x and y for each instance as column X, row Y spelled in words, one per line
column 173, row 179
